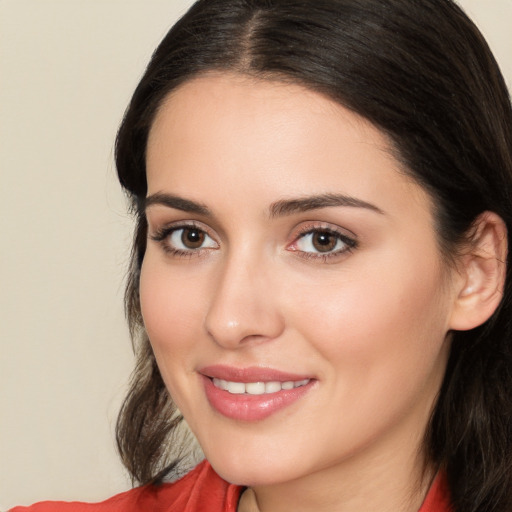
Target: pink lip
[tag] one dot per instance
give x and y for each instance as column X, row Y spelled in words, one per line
column 250, row 374
column 246, row 407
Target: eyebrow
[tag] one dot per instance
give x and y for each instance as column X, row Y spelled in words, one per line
column 280, row 208
column 304, row 204
column 178, row 203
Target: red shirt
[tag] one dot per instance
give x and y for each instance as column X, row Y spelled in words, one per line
column 200, row 490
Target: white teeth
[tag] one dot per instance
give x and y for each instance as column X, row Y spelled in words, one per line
column 257, row 388
column 237, row 388
column 273, row 387
column 223, row 384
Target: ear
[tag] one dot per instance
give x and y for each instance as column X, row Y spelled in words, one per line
column 482, row 270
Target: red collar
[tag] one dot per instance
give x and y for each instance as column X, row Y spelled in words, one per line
column 438, row 497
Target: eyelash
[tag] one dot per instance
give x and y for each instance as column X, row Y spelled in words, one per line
column 349, row 243
column 162, row 235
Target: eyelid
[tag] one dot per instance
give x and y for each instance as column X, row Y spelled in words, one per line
column 311, row 226
column 162, row 227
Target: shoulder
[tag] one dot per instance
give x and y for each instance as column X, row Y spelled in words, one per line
column 200, row 490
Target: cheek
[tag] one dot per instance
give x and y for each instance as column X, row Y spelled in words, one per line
column 383, row 339
column 367, row 320
column 172, row 312
column 171, row 307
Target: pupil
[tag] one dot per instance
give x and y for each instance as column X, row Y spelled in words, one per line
column 324, row 241
column 192, row 238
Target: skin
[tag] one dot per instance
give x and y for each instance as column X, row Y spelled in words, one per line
column 370, row 323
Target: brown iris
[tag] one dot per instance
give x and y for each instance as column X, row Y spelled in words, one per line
column 192, row 238
column 323, row 241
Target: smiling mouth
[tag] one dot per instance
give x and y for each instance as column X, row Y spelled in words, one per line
column 252, row 394
column 257, row 388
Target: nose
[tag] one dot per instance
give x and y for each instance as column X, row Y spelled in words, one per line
column 243, row 308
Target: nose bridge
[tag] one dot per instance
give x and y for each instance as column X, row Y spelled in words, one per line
column 242, row 307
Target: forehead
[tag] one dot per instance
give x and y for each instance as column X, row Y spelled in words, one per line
column 247, row 102
column 281, row 139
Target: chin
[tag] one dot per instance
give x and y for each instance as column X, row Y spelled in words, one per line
column 252, row 475
column 254, row 470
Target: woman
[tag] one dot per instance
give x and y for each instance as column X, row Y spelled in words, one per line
column 320, row 276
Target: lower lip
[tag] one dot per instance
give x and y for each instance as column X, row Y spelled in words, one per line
column 245, row 407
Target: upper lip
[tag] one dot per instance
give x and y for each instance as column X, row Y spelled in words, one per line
column 250, row 374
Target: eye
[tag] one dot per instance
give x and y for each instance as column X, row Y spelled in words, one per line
column 319, row 241
column 323, row 242
column 184, row 240
column 190, row 238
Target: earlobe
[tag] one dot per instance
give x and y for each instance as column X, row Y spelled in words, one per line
column 482, row 270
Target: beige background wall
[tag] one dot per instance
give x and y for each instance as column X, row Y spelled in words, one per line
column 67, row 69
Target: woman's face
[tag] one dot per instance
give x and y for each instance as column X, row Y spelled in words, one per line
column 292, row 287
